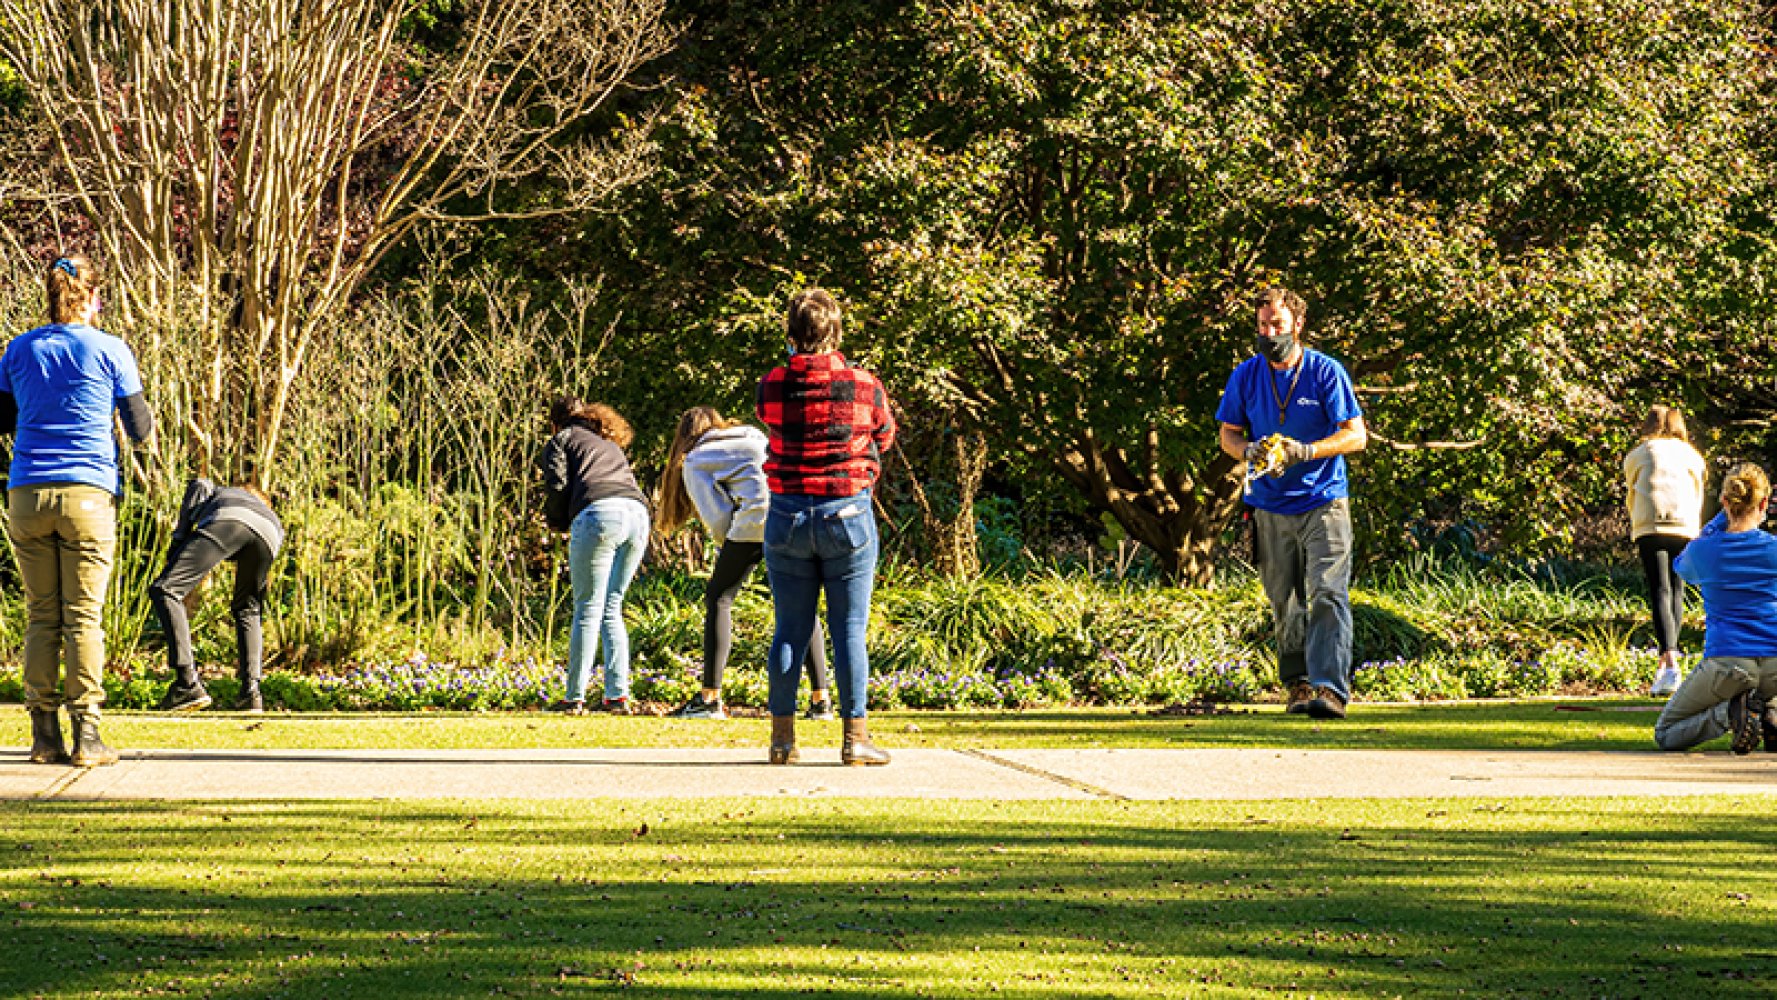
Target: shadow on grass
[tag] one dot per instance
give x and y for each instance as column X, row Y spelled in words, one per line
column 776, row 899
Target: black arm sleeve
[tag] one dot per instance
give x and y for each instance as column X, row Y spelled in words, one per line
column 9, row 413
column 138, row 422
column 554, row 463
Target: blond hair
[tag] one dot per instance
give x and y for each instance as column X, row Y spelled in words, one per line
column 1664, row 422
column 69, row 287
column 675, row 507
column 1745, row 490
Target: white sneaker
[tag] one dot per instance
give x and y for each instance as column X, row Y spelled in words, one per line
column 1666, row 682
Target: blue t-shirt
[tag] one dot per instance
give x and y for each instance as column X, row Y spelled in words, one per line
column 1737, row 572
column 1323, row 400
column 67, row 379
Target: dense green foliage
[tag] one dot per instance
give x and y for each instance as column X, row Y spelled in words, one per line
column 1424, row 632
column 1515, row 222
column 782, row 898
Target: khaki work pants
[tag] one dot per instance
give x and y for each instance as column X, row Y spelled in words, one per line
column 1698, row 710
column 64, row 536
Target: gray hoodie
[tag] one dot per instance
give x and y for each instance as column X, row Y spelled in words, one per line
column 725, row 478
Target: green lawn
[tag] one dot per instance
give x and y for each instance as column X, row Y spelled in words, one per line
column 1621, row 898
column 1604, row 724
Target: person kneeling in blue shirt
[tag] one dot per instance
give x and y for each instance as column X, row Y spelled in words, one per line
column 1302, row 507
column 1734, row 564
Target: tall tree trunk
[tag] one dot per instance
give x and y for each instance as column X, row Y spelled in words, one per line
column 1178, row 518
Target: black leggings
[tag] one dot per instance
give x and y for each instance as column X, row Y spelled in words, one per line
column 1665, row 591
column 202, row 551
column 734, row 564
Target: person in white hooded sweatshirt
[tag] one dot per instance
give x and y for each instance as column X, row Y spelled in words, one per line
column 1664, row 481
column 715, row 471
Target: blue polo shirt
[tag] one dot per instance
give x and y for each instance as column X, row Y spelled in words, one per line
column 1324, row 399
column 1737, row 572
column 67, row 379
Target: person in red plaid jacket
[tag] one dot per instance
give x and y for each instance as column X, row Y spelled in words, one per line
column 829, row 424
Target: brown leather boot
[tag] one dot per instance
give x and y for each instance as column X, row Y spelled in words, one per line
column 783, row 740
column 1301, row 693
column 1326, row 704
column 46, row 737
column 89, row 749
column 857, row 750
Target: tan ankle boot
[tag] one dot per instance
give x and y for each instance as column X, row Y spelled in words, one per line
column 857, row 750
column 783, row 740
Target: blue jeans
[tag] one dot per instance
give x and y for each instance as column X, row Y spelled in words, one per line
column 1305, row 566
column 605, row 546
column 814, row 544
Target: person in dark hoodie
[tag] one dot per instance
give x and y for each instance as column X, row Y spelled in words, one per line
column 234, row 524
column 591, row 493
column 62, row 385
column 715, row 470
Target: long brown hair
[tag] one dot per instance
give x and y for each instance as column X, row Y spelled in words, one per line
column 675, row 507
column 600, row 418
column 1665, row 422
column 69, row 287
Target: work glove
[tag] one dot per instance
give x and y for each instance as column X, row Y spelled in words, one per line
column 1294, row 453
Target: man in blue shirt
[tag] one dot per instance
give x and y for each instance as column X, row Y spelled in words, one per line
column 1302, row 509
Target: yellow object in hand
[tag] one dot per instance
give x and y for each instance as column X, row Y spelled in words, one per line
column 1270, row 460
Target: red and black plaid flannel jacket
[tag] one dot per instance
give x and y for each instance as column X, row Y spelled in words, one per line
column 829, row 424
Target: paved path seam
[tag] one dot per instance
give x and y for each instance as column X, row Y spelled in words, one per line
column 62, row 784
column 1060, row 779
column 917, row 773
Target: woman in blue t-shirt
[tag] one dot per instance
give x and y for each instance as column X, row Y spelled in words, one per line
column 1734, row 564
column 60, row 385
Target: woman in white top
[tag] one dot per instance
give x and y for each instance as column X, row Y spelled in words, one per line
column 1665, row 478
column 715, row 471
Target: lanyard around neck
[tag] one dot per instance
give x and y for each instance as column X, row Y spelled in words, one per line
column 1283, row 402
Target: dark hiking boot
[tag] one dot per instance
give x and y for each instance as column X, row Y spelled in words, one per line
column 249, row 699
column 1301, row 693
column 89, row 749
column 1746, row 712
column 697, row 708
column 857, row 750
column 185, row 696
column 569, row 706
column 619, row 706
column 1770, row 728
column 46, row 737
column 819, row 711
column 1326, row 704
column 783, row 740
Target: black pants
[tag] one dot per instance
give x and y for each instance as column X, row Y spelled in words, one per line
column 1665, row 591
column 734, row 564
column 187, row 565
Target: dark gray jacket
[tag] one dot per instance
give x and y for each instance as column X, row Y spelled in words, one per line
column 580, row 468
column 204, row 503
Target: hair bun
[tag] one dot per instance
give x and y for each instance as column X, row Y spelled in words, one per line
column 1745, row 489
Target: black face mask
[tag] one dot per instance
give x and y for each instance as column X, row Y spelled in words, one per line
column 1276, row 349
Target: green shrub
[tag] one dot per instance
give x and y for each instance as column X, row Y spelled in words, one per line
column 1407, row 680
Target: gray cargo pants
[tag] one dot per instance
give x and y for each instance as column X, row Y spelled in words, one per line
column 1698, row 711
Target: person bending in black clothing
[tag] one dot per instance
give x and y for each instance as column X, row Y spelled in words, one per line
column 235, row 523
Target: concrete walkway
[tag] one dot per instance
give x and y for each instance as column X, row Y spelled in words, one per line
column 959, row 774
